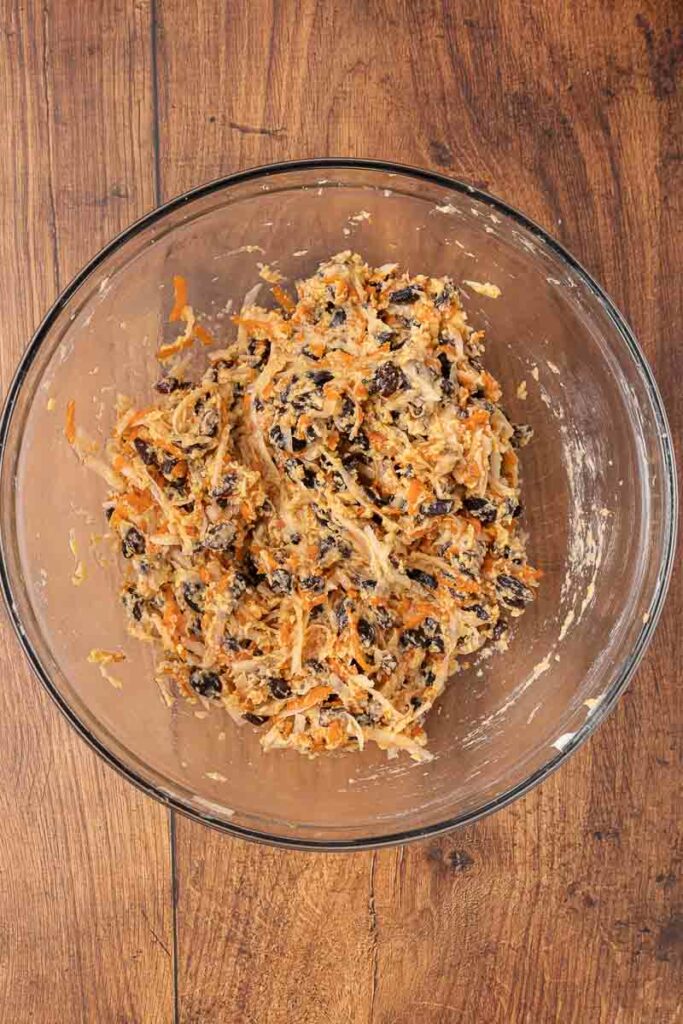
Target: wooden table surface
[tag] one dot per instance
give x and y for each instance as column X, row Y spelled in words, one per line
column 563, row 907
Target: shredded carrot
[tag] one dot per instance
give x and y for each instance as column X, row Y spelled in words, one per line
column 317, row 348
column 70, row 421
column 204, row 336
column 283, row 298
column 492, row 388
column 180, row 298
column 308, row 700
column 172, row 349
column 415, row 490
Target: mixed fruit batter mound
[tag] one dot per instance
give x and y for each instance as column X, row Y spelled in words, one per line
column 321, row 528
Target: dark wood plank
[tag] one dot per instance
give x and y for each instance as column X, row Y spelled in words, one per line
column 84, row 858
column 562, row 907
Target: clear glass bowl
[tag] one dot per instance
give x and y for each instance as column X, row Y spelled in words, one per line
column 598, row 486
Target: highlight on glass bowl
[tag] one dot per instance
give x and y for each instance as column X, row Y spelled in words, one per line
column 338, row 503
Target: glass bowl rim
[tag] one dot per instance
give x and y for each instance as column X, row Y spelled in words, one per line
column 670, row 502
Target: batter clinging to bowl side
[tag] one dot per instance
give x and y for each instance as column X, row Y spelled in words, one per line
column 323, row 525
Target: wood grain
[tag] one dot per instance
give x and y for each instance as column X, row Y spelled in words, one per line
column 85, row 907
column 563, row 907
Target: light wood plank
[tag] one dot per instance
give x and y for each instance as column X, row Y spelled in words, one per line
column 85, row 906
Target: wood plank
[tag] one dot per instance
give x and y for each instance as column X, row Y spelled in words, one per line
column 84, row 858
column 562, row 907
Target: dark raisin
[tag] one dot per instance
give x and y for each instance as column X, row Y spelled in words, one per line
column 481, row 508
column 230, row 643
column 219, row 536
column 445, row 365
column 314, row 583
column 384, row 618
column 309, row 478
column 145, row 451
column 280, row 581
column 480, row 612
column 425, row 578
column 225, row 486
column 254, row 719
column 429, row 677
column 430, row 627
column 207, row 684
column 338, row 318
column 521, row 435
column 109, row 511
column 320, row 377
column 326, row 544
column 515, row 593
column 350, row 460
column 404, row 295
column 387, row 379
column 303, row 401
column 362, row 441
column 277, row 438
column 443, row 296
column 193, row 592
column 314, row 665
column 239, row 585
column 514, row 508
column 366, row 632
column 167, row 467
column 195, row 628
column 342, row 615
column 440, row 507
column 320, row 514
column 499, row 629
column 279, row 688
column 377, row 499
column 415, row 702
column 166, row 385
column 133, row 543
column 384, row 336
column 263, row 355
column 368, row 584
column 412, row 638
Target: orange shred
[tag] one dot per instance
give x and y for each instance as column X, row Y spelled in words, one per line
column 180, row 298
column 70, row 422
column 283, row 298
column 204, row 336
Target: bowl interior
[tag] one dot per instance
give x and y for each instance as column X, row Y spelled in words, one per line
column 595, row 482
